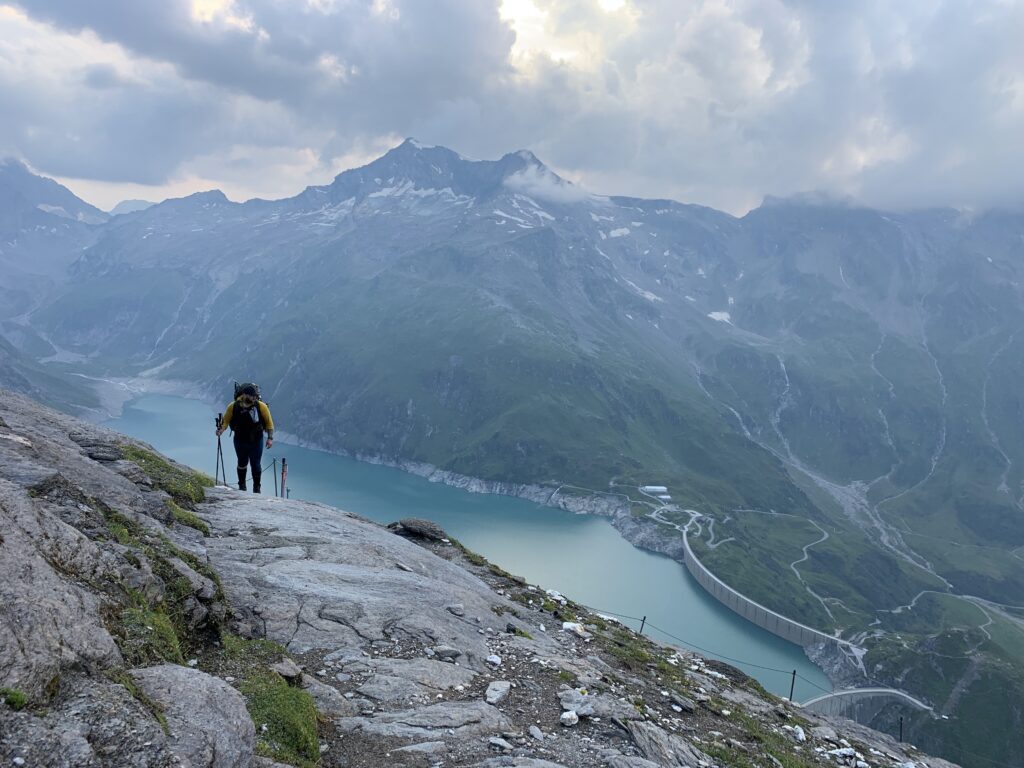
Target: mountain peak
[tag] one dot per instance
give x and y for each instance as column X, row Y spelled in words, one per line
column 17, row 181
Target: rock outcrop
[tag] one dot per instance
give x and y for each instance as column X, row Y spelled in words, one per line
column 147, row 621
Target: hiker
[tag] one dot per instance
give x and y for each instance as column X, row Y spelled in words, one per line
column 248, row 417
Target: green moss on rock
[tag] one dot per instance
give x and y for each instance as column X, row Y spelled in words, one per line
column 184, row 485
column 14, row 698
column 186, row 517
column 289, row 715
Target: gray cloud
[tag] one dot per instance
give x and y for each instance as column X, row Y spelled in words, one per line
column 896, row 104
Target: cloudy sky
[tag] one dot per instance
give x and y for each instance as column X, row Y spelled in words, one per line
column 895, row 103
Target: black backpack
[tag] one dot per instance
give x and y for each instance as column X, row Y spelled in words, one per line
column 240, row 387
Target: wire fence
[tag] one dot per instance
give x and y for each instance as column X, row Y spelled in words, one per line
column 643, row 621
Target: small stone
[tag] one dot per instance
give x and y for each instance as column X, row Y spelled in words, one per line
column 537, row 733
column 18, row 761
column 569, row 718
column 457, row 609
column 287, row 669
column 798, row 734
column 497, row 691
column 500, row 743
column 446, row 652
column 494, row 659
column 193, row 662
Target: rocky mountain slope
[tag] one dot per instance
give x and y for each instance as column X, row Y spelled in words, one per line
column 835, row 387
column 149, row 620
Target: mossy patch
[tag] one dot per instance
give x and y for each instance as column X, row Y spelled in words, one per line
column 122, row 529
column 145, row 635
column 258, row 651
column 629, row 648
column 289, row 715
column 184, row 485
column 187, row 517
column 14, row 698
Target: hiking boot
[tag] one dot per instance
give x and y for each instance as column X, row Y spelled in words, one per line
column 241, row 478
column 256, row 477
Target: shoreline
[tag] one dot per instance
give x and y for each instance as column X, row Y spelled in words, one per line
column 640, row 532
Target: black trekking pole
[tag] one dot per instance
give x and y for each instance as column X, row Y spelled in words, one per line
column 220, row 454
column 275, row 478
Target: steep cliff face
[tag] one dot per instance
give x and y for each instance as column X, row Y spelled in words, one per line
column 147, row 619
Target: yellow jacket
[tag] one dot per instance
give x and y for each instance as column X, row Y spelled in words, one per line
column 265, row 417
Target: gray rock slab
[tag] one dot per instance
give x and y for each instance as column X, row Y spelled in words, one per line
column 446, row 720
column 663, row 748
column 630, row 761
column 48, row 623
column 339, row 586
column 328, row 699
column 91, row 723
column 517, row 762
column 390, row 689
column 207, row 718
column 426, row 748
column 434, row 675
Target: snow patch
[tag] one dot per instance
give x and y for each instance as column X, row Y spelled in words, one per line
column 646, row 294
column 620, row 232
column 56, row 210
column 722, row 317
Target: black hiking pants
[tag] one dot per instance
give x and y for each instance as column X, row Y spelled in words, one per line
column 250, row 453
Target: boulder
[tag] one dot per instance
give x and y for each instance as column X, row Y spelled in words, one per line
column 207, row 718
column 417, row 528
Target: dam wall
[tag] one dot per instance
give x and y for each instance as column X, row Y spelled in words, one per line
column 776, row 623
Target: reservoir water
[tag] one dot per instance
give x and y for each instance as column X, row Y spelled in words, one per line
column 581, row 556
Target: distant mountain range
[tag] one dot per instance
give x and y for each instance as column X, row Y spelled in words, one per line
column 130, row 206
column 838, row 388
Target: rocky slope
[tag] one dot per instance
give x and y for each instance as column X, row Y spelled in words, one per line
column 147, row 620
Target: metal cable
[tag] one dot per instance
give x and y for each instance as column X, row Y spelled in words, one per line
column 708, row 651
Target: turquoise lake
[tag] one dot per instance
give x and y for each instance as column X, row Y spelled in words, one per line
column 581, row 556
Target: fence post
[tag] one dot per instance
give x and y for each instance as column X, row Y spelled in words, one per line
column 275, row 477
column 642, row 622
column 792, row 685
column 901, row 729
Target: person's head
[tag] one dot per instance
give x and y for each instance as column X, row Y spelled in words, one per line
column 247, row 396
